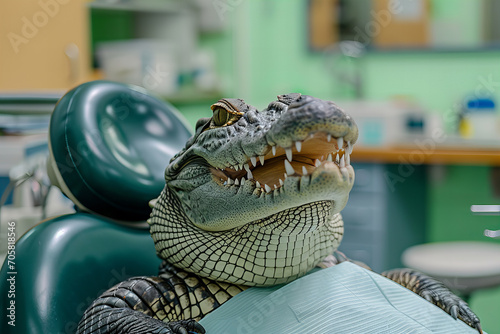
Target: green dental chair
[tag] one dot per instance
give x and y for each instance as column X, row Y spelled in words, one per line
column 109, row 145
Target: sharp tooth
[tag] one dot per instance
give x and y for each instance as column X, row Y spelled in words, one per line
column 229, row 181
column 275, row 187
column 254, row 161
column 329, row 137
column 298, row 145
column 329, row 158
column 304, row 170
column 340, row 142
column 247, row 168
column 257, row 184
column 273, row 148
column 281, row 182
column 337, row 158
column 349, row 147
column 317, row 163
column 268, row 189
column 236, row 182
column 285, row 175
column 288, row 153
column 342, row 161
column 344, row 173
column 347, row 159
column 261, row 158
column 288, row 167
column 242, row 180
column 249, row 175
column 322, row 158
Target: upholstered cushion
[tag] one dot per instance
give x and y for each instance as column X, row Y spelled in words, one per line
column 64, row 263
column 110, row 144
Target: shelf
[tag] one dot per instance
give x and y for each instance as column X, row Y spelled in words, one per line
column 494, row 47
column 35, row 103
column 415, row 155
column 185, row 95
column 154, row 6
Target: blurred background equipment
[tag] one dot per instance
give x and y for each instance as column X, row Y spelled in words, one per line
column 464, row 267
column 26, row 196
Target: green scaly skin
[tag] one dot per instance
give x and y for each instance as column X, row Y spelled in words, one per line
column 253, row 199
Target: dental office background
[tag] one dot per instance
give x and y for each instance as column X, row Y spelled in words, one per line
column 419, row 74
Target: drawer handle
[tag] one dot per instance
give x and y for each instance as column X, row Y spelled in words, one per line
column 487, row 210
column 492, row 234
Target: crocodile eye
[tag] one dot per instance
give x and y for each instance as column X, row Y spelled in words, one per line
column 220, row 117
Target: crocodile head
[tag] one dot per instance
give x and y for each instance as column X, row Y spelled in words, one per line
column 282, row 173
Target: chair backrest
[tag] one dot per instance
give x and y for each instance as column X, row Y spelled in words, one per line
column 110, row 144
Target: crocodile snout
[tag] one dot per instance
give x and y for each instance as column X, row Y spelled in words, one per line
column 308, row 115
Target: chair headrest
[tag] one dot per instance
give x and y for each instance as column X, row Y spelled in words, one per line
column 109, row 146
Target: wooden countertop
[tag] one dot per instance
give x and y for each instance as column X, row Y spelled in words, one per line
column 446, row 155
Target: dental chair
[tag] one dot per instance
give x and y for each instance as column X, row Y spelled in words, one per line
column 109, row 145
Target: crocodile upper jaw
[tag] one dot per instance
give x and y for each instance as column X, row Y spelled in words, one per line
column 270, row 170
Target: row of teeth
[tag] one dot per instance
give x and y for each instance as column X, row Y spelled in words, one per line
column 298, row 146
column 343, row 161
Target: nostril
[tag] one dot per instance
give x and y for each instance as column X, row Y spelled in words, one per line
column 289, row 98
column 251, row 116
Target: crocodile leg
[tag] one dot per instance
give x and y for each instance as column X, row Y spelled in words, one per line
column 436, row 293
column 119, row 319
column 169, row 303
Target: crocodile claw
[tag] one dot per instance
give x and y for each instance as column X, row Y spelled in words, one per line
column 442, row 297
column 459, row 309
column 189, row 326
column 454, row 311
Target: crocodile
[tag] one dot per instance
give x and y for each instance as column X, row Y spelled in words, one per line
column 252, row 200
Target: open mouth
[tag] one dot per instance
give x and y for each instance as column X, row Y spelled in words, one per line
column 269, row 171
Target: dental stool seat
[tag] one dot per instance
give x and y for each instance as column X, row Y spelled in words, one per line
column 463, row 266
column 109, row 146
